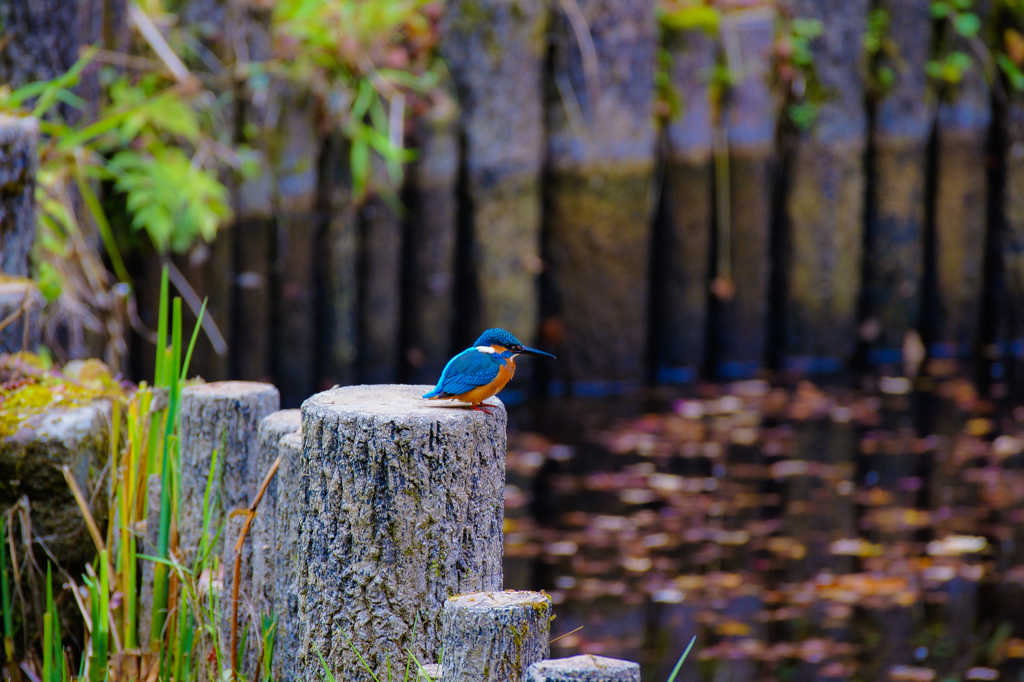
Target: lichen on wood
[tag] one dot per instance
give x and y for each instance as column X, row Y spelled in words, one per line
column 400, row 505
column 495, row 636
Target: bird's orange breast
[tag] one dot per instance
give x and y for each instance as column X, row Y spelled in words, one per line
column 482, row 393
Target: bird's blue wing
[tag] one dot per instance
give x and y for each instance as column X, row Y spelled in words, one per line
column 466, row 371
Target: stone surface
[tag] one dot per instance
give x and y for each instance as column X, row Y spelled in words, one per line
column 15, row 295
column 400, row 506
column 585, row 668
column 19, row 163
column 30, row 461
column 496, row 52
column 429, row 673
column 601, row 143
column 272, row 429
column 495, row 636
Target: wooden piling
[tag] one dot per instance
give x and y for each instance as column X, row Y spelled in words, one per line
column 741, row 333
column 961, row 215
column 1011, row 330
column 683, row 256
column 494, row 636
column 296, row 166
column 431, row 241
column 21, row 305
column 287, row 560
column 399, row 507
column 825, row 202
column 380, row 293
column 19, row 163
column 496, row 53
column 895, row 228
column 601, row 144
column 585, row 668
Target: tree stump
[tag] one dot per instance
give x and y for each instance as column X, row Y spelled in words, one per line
column 287, row 559
column 495, row 636
column 272, row 430
column 149, row 546
column 20, row 295
column 586, row 668
column 222, row 416
column 19, row 163
column 400, row 505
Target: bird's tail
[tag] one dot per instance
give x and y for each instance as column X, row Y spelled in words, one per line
column 436, row 393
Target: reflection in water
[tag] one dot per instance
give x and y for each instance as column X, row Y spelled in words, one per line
column 801, row 534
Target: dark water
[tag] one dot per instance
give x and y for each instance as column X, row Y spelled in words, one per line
column 800, row 533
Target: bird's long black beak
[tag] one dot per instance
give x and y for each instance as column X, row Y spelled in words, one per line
column 526, row 350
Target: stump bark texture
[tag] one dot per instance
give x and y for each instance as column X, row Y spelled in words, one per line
column 585, row 668
column 272, row 430
column 400, row 505
column 19, row 163
column 287, row 559
column 495, row 636
column 222, row 416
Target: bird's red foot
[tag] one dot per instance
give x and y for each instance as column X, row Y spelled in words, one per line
column 481, row 408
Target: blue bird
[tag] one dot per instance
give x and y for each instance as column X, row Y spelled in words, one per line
column 477, row 373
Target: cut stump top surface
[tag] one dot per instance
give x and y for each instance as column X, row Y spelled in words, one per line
column 228, row 389
column 488, row 601
column 584, row 664
column 394, row 401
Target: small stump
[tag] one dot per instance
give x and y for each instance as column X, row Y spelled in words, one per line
column 495, row 636
column 586, row 668
column 400, row 506
column 287, row 559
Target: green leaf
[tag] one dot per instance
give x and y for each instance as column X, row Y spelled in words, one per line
column 940, row 10
column 967, row 24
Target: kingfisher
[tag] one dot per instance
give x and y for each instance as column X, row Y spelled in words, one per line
column 479, row 372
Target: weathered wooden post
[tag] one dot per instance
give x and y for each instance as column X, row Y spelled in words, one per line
column 338, row 264
column 296, row 173
column 496, row 52
column 961, row 210
column 825, row 203
column 380, row 292
column 585, row 668
column 741, row 337
column 400, row 506
column 494, row 636
column 225, row 417
column 272, row 429
column 601, row 145
column 21, row 303
column 1011, row 323
column 894, row 256
column 19, row 140
column 432, row 239
column 684, row 257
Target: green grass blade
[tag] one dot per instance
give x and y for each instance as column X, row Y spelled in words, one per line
column 47, row 647
column 161, row 328
column 679, row 663
column 5, row 595
column 192, row 343
column 106, row 234
column 327, row 672
column 359, row 656
column 176, row 348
